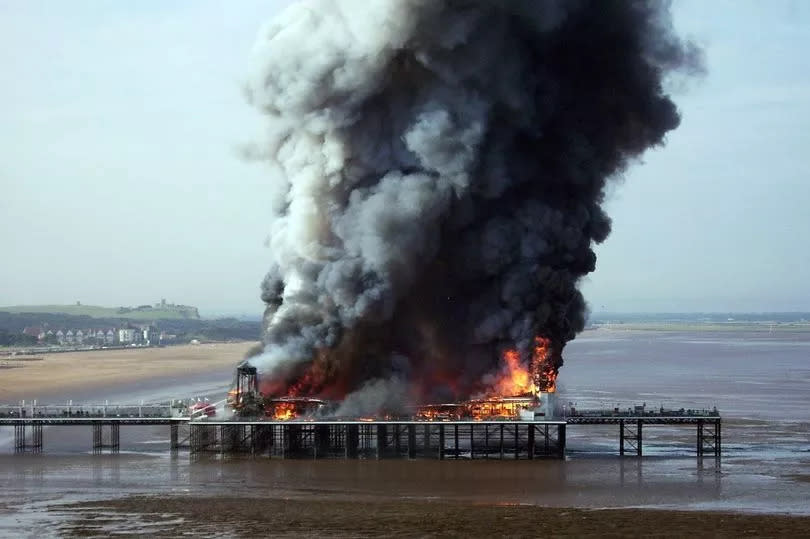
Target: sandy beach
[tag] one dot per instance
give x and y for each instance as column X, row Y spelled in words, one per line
column 36, row 378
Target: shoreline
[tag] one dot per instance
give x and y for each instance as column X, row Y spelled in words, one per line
column 94, row 370
column 367, row 517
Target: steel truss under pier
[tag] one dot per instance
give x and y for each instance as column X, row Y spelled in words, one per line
column 22, row 442
column 371, row 439
column 106, row 431
column 113, row 441
column 708, row 437
column 631, row 428
column 381, row 439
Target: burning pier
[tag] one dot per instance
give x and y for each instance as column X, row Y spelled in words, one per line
column 488, row 426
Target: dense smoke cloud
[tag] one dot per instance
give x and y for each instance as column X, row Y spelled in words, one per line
column 441, row 169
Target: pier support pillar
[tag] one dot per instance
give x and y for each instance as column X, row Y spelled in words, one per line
column 531, row 442
column 21, row 442
column 292, row 442
column 426, row 440
column 560, row 440
column 441, row 442
column 321, row 441
column 629, row 438
column 708, row 437
column 411, row 441
column 98, row 437
column 397, row 439
column 382, row 435
column 174, row 437
column 352, row 441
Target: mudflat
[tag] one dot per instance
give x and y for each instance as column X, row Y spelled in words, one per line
column 253, row 517
column 96, row 368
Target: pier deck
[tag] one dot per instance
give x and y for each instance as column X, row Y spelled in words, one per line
column 453, row 439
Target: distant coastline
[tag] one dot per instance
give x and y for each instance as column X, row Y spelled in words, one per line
column 757, row 322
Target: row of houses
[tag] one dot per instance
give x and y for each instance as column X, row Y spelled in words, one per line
column 129, row 334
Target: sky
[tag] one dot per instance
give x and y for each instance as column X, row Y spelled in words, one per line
column 121, row 181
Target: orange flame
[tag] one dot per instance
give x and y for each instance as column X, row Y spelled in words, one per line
column 514, row 378
column 544, row 373
column 284, row 411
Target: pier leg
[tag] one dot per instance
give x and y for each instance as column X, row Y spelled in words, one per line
column 486, row 441
column 411, row 441
column 97, row 435
column 561, row 440
column 426, row 440
column 455, row 439
column 717, row 439
column 472, row 442
column 115, row 437
column 501, row 441
column 531, row 442
column 629, row 438
column 397, row 441
column 21, row 444
column 174, row 436
column 382, row 434
column 36, row 446
column 700, row 437
column 517, row 441
column 321, row 441
column 441, row 442
column 352, row 441
column 19, row 437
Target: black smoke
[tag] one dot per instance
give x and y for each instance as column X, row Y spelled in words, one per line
column 440, row 169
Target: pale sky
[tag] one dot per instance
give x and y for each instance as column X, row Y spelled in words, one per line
column 120, row 181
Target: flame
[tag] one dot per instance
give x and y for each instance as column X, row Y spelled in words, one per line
column 543, row 370
column 283, row 411
column 476, row 409
column 514, row 378
column 493, row 408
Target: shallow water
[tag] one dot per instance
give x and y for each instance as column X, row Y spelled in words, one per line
column 759, row 381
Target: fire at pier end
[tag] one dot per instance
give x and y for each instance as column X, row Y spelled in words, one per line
column 514, row 394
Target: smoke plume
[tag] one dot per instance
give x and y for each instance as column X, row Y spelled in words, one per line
column 440, row 168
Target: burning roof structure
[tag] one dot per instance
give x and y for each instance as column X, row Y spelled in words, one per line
column 439, row 173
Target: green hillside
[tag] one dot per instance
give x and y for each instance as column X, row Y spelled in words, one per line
column 144, row 312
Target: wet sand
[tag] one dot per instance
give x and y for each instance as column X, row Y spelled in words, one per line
column 175, row 515
column 86, row 371
column 758, row 381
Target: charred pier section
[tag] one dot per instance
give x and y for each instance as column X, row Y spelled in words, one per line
column 381, row 439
